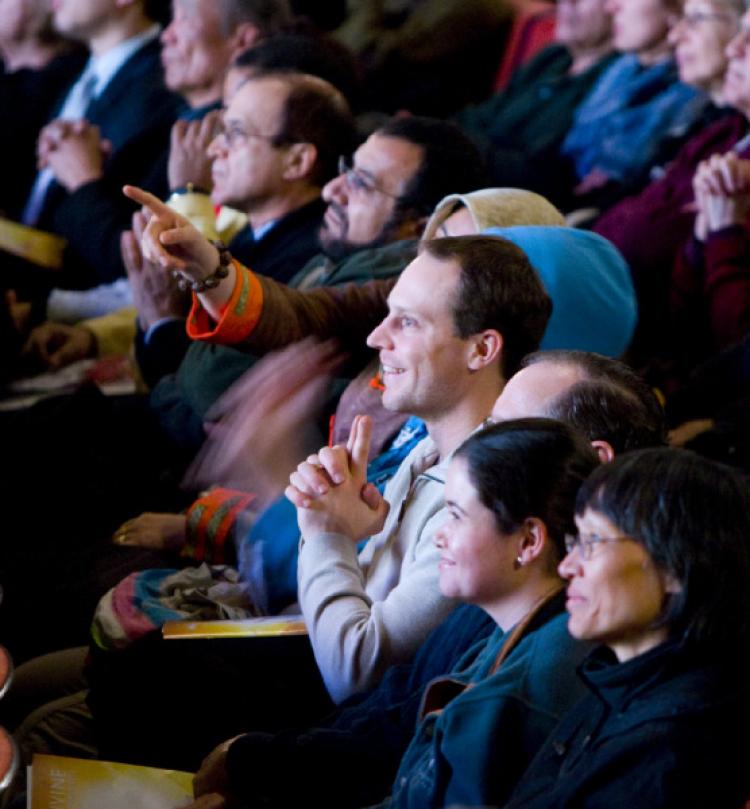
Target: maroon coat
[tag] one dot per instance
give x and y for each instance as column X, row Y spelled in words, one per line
column 710, row 292
column 650, row 228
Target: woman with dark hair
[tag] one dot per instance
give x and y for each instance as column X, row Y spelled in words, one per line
column 510, row 491
column 658, row 572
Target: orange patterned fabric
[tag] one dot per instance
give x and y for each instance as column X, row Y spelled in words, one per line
column 239, row 316
column 209, row 522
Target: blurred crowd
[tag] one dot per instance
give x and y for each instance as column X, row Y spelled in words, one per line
column 432, row 326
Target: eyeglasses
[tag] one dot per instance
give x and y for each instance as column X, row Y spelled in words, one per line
column 233, row 136
column 587, row 542
column 696, row 18
column 358, row 182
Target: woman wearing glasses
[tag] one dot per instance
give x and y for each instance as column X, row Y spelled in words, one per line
column 650, row 227
column 658, row 574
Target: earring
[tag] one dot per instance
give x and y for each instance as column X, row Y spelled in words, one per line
column 518, row 564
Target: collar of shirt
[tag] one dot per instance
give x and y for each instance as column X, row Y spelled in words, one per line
column 260, row 232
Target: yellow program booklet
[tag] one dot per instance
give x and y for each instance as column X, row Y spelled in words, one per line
column 59, row 782
column 37, row 246
column 271, row 626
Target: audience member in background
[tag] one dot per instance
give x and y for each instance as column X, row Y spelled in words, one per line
column 119, row 98
column 307, row 52
column 281, row 138
column 37, row 65
column 197, row 46
column 521, row 128
column 710, row 289
column 448, row 49
column 650, row 228
column 638, row 100
column 203, row 38
column 468, row 214
column 356, row 751
column 657, row 573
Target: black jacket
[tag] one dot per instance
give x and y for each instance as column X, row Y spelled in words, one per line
column 661, row 731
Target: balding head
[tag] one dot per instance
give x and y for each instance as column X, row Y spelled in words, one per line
column 529, row 392
column 602, row 397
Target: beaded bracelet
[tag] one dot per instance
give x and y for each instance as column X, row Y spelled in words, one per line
column 210, row 281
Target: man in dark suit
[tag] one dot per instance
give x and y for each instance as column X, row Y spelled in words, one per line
column 111, row 127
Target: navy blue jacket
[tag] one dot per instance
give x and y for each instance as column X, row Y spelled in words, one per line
column 661, row 731
column 480, row 728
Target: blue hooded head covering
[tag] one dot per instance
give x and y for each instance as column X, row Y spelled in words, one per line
column 593, row 302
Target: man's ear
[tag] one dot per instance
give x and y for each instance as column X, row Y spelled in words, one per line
column 485, row 349
column 604, row 450
column 299, row 161
column 245, row 36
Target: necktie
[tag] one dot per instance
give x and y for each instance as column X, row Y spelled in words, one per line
column 75, row 106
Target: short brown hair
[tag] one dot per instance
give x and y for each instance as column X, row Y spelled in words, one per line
column 498, row 289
